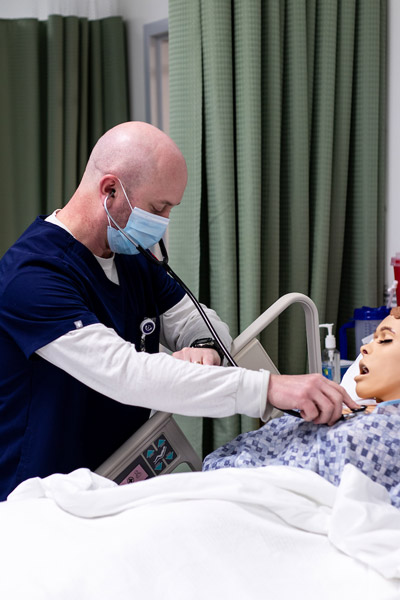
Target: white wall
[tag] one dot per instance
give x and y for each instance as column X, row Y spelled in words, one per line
column 40, row 9
column 136, row 14
column 393, row 132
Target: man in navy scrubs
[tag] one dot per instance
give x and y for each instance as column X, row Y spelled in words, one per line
column 82, row 314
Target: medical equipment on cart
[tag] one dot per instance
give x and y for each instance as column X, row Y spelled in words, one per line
column 160, row 445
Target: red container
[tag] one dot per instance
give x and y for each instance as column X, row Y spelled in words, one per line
column 396, row 265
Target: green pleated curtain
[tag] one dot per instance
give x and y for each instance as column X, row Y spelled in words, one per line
column 63, row 83
column 279, row 109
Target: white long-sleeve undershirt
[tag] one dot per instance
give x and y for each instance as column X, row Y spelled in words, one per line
column 99, row 358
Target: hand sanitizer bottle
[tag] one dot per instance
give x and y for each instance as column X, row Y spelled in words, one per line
column 330, row 356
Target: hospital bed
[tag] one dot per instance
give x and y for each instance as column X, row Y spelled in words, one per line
column 274, row 532
column 160, row 446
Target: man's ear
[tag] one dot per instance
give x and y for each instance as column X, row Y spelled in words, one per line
column 107, row 186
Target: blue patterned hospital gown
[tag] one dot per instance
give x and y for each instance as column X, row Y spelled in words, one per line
column 369, row 442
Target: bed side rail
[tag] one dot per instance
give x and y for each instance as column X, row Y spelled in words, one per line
column 247, row 350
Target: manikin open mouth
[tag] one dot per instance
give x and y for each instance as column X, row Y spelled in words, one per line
column 363, row 369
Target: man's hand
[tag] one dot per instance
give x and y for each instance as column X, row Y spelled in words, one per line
column 317, row 398
column 203, row 356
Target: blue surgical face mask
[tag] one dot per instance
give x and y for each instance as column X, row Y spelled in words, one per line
column 143, row 227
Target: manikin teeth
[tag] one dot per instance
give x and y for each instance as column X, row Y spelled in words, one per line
column 364, row 370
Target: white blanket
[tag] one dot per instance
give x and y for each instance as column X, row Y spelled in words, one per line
column 274, row 532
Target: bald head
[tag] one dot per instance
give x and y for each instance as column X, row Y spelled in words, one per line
column 135, row 159
column 136, row 152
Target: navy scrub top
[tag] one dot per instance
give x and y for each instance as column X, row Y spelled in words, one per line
column 51, row 284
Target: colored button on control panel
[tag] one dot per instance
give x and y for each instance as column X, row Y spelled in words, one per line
column 138, row 470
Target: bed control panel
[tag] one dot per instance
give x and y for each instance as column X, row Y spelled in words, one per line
column 159, row 447
column 153, row 461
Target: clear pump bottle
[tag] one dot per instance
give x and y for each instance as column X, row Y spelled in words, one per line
column 330, row 356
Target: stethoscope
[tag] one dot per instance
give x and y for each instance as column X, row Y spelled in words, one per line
column 164, row 264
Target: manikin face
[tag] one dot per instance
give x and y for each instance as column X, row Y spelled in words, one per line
column 380, row 364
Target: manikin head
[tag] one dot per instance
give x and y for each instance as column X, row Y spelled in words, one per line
column 380, row 364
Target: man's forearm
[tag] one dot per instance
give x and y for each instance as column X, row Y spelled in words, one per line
column 99, row 358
